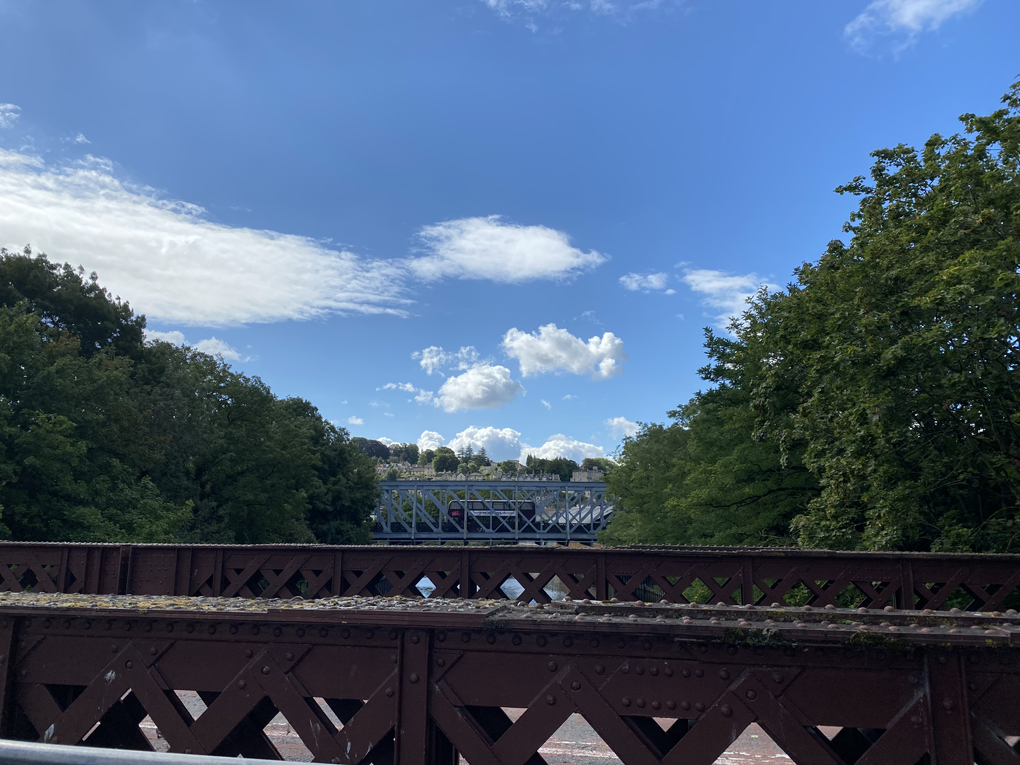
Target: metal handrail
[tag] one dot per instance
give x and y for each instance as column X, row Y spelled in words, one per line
column 34, row 753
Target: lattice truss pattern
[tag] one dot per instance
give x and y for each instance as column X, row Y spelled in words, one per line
column 496, row 693
column 496, row 510
column 538, row 574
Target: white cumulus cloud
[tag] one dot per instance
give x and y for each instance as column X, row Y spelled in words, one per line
column 489, row 248
column 560, row 445
column 433, row 359
column 556, row 350
column 621, row 426
column 499, row 443
column 546, row 404
column 386, row 441
column 352, row 420
column 904, row 18
column 482, row 387
column 174, row 337
column 216, row 347
column 429, row 439
column 172, row 263
column 726, row 293
column 212, row 345
column 645, row 282
column 9, row 114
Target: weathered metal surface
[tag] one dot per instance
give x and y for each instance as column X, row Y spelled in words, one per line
column 394, row 681
column 497, row 511
column 727, row 575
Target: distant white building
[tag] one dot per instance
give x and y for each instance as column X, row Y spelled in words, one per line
column 588, row 476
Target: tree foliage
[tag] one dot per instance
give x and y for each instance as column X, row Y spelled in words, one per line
column 875, row 403
column 106, row 438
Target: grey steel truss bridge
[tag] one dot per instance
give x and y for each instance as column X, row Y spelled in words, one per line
column 411, row 512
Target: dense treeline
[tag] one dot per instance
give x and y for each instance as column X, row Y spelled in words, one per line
column 875, row 403
column 106, row 437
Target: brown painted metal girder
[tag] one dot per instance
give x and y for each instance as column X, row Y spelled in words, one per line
column 389, row 681
column 728, row 575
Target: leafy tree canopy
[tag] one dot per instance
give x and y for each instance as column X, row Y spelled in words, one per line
column 874, row 403
column 106, row 438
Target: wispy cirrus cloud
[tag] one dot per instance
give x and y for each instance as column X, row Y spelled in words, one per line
column 658, row 282
column 902, row 20
column 529, row 13
column 723, row 292
column 9, row 114
column 175, row 264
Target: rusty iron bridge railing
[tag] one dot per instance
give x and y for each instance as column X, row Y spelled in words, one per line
column 438, row 682
column 735, row 576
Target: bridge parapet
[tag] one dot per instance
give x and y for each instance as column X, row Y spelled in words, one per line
column 734, row 576
column 384, row 680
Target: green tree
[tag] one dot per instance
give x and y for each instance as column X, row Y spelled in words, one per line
column 906, row 343
column 873, row 404
column 445, row 460
column 598, row 463
column 104, row 438
column 708, row 479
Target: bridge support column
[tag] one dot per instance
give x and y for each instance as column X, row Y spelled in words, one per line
column 418, row 740
column 948, row 705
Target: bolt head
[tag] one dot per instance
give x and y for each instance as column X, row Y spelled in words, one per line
column 752, row 695
column 265, row 670
column 726, row 710
column 576, row 686
column 550, row 699
column 413, row 678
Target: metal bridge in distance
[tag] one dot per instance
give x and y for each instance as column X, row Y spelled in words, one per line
column 412, row 512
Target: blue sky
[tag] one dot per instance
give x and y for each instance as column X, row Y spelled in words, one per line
column 503, row 222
